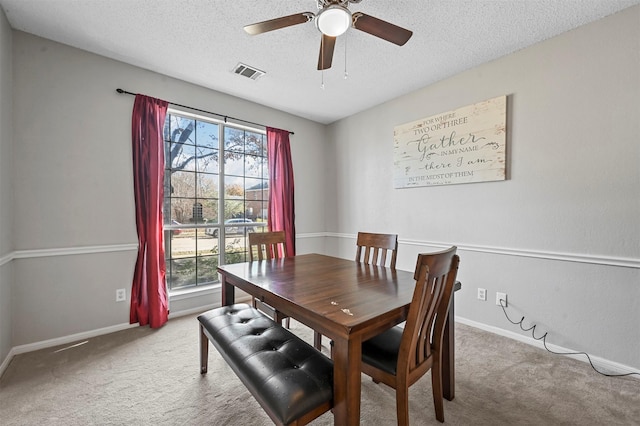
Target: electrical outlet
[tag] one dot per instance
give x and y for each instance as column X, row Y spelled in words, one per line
column 482, row 294
column 121, row 295
column 503, row 297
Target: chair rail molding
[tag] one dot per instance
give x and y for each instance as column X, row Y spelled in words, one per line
column 625, row 262
column 67, row 251
column 6, row 258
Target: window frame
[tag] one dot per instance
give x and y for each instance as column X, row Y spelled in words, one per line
column 222, row 254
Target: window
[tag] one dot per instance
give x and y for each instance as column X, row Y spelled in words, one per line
column 216, row 192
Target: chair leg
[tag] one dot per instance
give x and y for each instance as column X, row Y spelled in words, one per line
column 287, row 322
column 317, row 340
column 402, row 405
column 436, row 385
column 204, row 351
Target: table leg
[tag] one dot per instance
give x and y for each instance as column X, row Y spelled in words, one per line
column 448, row 355
column 346, row 381
column 228, row 291
column 279, row 316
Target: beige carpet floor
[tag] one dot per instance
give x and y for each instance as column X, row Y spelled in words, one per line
column 151, row 377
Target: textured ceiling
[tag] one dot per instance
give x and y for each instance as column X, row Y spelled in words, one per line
column 201, row 42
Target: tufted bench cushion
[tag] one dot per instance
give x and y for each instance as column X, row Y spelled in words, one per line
column 292, row 381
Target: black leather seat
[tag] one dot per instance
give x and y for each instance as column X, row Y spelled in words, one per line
column 291, row 380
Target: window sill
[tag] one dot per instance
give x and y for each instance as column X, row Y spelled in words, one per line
column 194, row 292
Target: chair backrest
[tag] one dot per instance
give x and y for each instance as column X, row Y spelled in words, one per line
column 267, row 245
column 376, row 247
column 423, row 332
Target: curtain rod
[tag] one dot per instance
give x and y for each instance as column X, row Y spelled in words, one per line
column 121, row 91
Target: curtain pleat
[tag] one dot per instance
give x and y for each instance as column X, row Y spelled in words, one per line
column 149, row 302
column 281, row 188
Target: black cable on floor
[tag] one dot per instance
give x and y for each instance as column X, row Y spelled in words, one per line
column 544, row 342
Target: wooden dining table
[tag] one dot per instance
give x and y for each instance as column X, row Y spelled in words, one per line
column 347, row 301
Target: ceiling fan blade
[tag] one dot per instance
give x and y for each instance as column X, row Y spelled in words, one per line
column 382, row 29
column 327, row 45
column 276, row 24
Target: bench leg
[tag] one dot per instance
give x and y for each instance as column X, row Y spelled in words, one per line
column 204, row 351
column 317, row 340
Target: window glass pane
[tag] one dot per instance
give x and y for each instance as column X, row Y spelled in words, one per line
column 233, row 209
column 182, row 129
column 235, row 248
column 207, row 134
column 207, row 160
column 253, row 143
column 209, row 210
column 253, row 165
column 207, row 185
column 183, row 184
column 234, row 164
column 207, row 270
column 233, row 140
column 182, row 273
column 253, row 189
column 265, row 209
column 233, row 187
column 206, row 244
column 181, row 210
column 183, row 243
column 182, row 156
column 253, row 199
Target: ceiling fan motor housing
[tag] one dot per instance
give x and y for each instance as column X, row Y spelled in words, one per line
column 333, row 20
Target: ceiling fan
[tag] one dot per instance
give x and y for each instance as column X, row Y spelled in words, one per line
column 333, row 19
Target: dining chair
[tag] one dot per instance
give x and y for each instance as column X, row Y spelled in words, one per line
column 400, row 356
column 267, row 246
column 372, row 250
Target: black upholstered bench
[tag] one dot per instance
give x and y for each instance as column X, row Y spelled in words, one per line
column 292, row 381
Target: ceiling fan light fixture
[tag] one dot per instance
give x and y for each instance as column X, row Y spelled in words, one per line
column 333, row 20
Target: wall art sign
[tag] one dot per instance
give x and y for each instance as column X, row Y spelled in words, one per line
column 461, row 146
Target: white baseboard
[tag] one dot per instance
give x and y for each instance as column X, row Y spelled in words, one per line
column 6, row 361
column 70, row 338
column 601, row 364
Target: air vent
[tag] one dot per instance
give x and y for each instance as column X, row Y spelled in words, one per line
column 247, row 71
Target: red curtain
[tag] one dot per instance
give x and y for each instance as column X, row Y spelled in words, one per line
column 149, row 303
column 281, row 191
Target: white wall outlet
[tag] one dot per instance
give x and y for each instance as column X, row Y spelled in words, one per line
column 482, row 294
column 503, row 297
column 121, row 295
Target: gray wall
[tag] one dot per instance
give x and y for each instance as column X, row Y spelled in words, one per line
column 6, row 187
column 74, row 209
column 553, row 235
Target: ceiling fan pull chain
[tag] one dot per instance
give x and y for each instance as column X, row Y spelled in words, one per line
column 322, row 72
column 346, row 74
